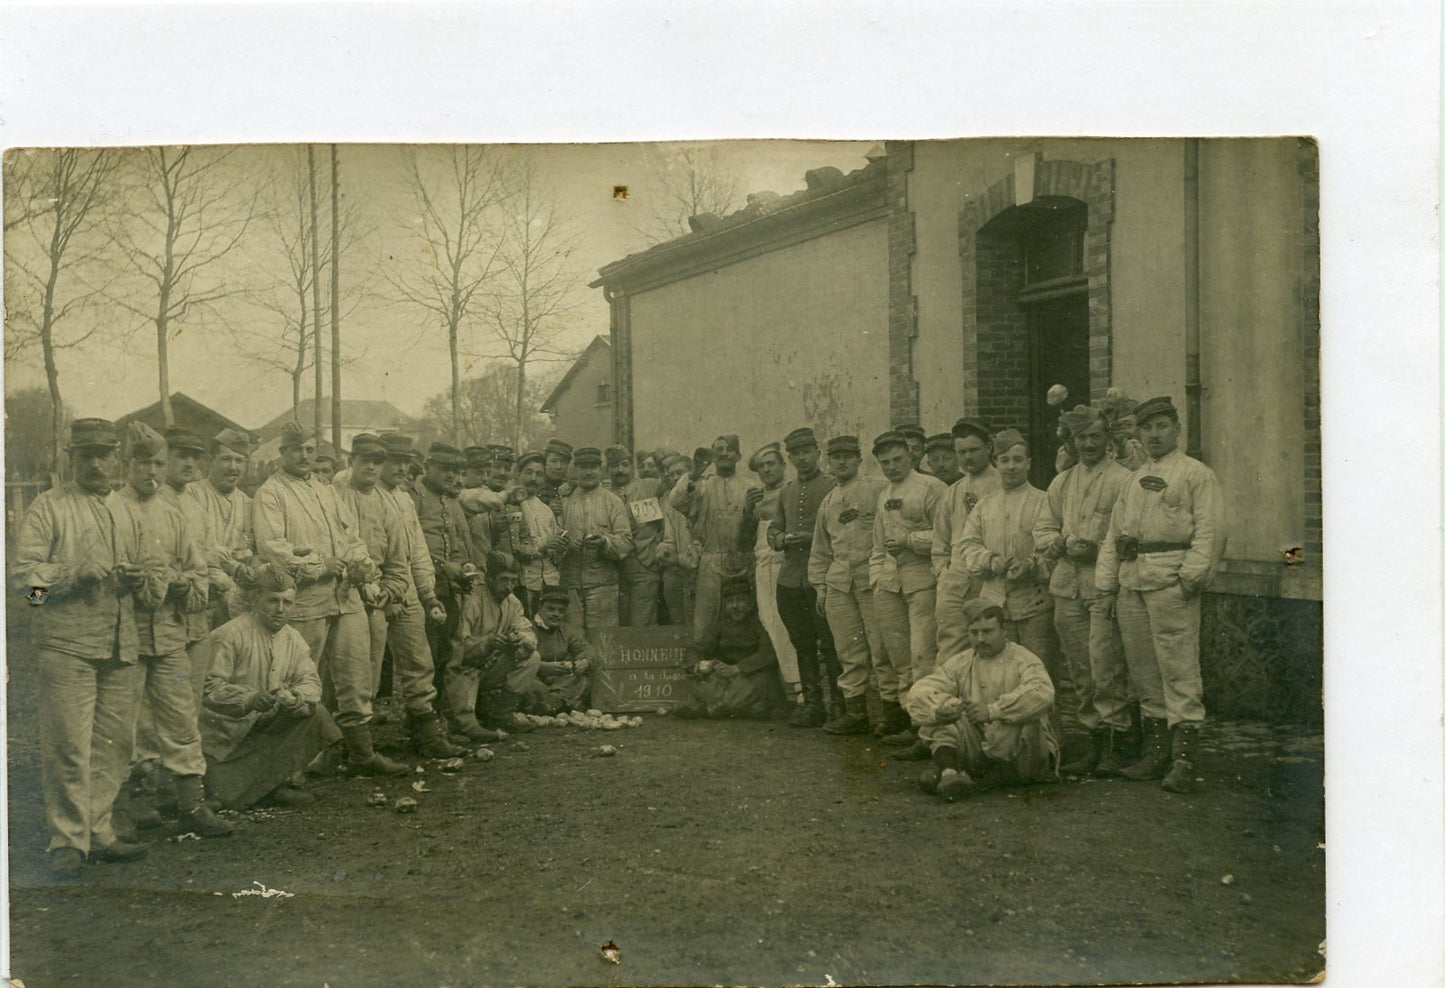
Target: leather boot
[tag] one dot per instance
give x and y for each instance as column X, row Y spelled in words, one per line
column 876, row 713
column 1089, row 760
column 837, row 704
column 365, row 760
column 1113, row 757
column 1155, row 760
column 1181, row 770
column 810, row 712
column 192, row 813
column 429, row 738
column 854, row 719
column 474, row 732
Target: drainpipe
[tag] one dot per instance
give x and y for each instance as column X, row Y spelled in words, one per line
column 621, row 354
column 1193, row 388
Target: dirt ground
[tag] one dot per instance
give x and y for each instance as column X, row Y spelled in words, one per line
column 709, row 853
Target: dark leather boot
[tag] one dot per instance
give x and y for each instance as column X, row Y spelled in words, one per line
column 1155, row 758
column 876, row 712
column 192, row 813
column 365, row 760
column 1089, row 760
column 854, row 719
column 810, row 712
column 1113, row 758
column 429, row 738
column 1181, row 769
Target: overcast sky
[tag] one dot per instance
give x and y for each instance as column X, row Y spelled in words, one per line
column 405, row 362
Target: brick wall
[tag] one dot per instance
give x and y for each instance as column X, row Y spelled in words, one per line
column 902, row 305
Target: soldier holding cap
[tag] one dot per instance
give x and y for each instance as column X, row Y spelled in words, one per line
column 642, row 569
column 413, row 670
column 790, row 531
column 767, row 464
column 722, row 512
column 76, row 557
column 973, row 444
column 901, row 572
column 1166, row 538
column 596, row 538
column 838, row 571
column 302, row 527
column 175, row 587
column 1070, row 531
column 230, row 544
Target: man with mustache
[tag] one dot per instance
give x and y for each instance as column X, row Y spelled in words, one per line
column 722, row 510
column 174, row 588
column 186, row 471
column 303, row 528
column 973, row 446
column 230, row 544
column 76, row 560
column 1165, row 540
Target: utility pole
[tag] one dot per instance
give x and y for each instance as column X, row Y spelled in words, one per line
column 315, row 290
column 335, row 308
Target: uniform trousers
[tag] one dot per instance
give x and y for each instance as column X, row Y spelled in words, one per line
column 1160, row 631
column 677, row 587
column 954, row 587
column 812, row 640
column 765, row 582
column 1094, row 660
column 592, row 608
column 87, row 727
column 907, row 626
column 412, row 679
column 341, row 646
column 641, row 587
column 164, row 715
column 860, row 647
column 1023, row 751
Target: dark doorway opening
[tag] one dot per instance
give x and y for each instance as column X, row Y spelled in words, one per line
column 1058, row 354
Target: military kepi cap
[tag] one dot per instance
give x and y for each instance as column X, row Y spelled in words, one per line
column 477, row 456
column 444, row 454
column 397, row 445
column 587, row 454
column 531, row 456
column 887, row 439
column 737, row 586
column 944, row 440
column 93, row 432
column 845, row 444
column 756, row 460
column 616, row 455
column 552, row 595
column 558, row 448
column 911, row 429
column 971, row 427
column 365, row 444
column 1150, row 407
column 799, row 437
column 180, row 438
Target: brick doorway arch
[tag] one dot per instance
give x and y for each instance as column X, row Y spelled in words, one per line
column 995, row 330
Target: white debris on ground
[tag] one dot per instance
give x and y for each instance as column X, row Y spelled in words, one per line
column 263, row 892
column 606, row 751
column 591, row 720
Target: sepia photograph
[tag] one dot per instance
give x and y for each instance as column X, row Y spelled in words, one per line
column 733, row 562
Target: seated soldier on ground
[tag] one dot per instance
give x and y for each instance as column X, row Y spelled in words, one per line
column 984, row 712
column 736, row 672
column 262, row 721
column 498, row 645
column 565, row 652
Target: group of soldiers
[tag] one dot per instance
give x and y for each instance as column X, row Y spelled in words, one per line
column 231, row 641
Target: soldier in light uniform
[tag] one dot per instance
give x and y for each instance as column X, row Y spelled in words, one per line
column 901, row 572
column 76, row 561
column 556, row 464
column 185, row 473
column 838, row 571
column 1166, row 538
column 1070, row 531
column 302, row 527
column 973, row 445
column 916, row 439
column 641, row 570
column 767, row 465
column 538, row 535
column 596, row 539
column 942, row 458
column 230, row 543
column 722, row 512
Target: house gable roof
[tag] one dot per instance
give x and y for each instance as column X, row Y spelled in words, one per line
column 582, row 360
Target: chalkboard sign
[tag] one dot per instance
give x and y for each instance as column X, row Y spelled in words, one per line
column 640, row 668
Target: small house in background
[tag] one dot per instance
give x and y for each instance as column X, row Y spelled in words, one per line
column 581, row 404
column 189, row 414
column 358, row 415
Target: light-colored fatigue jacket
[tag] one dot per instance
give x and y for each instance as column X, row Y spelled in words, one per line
column 482, row 615
column 1187, row 509
column 714, row 507
column 539, row 526
column 905, row 511
column 289, row 513
column 1013, row 686
column 841, row 551
column 228, row 536
column 198, row 528
column 1003, row 523
column 595, row 512
column 64, row 529
column 165, row 544
column 381, row 532
column 421, row 574
column 1079, row 504
column 247, row 659
column 963, row 494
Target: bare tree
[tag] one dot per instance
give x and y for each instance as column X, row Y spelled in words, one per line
column 453, row 193
column 488, row 402
column 59, row 201
column 535, row 284
column 689, row 181
column 194, row 210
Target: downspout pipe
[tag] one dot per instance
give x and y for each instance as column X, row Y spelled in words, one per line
column 1193, row 386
